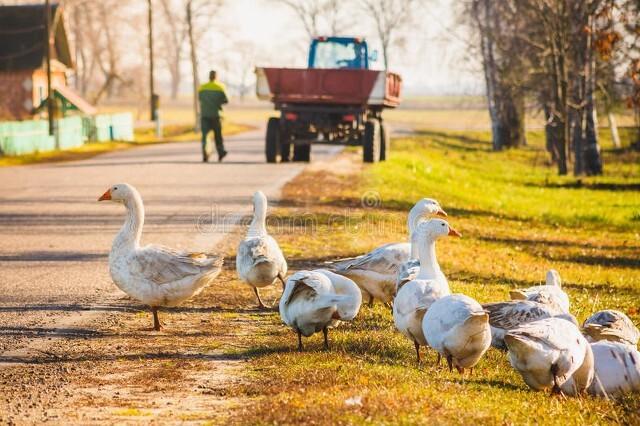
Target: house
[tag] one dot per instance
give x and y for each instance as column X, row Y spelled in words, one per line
column 23, row 75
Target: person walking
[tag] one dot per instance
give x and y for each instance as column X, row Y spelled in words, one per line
column 212, row 96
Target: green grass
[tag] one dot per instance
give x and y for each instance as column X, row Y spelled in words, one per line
column 517, row 218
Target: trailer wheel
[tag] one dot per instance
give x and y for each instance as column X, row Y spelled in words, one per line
column 302, row 153
column 371, row 142
column 272, row 140
column 385, row 141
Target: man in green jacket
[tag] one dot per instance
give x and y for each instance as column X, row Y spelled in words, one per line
column 212, row 97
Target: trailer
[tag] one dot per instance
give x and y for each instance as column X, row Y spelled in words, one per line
column 336, row 100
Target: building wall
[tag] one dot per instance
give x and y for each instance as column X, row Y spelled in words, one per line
column 21, row 91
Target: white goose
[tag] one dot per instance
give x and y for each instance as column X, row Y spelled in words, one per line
column 549, row 294
column 504, row 316
column 154, row 275
column 617, row 370
column 548, row 352
column 416, row 296
column 458, row 328
column 315, row 300
column 375, row 272
column 259, row 260
column 611, row 325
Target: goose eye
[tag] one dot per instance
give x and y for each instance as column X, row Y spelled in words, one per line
column 115, row 188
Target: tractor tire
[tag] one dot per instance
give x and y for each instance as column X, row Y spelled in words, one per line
column 371, row 142
column 285, row 150
column 302, row 153
column 385, row 141
column 272, row 145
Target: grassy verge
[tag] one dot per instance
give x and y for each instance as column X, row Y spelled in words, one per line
column 517, row 219
column 172, row 133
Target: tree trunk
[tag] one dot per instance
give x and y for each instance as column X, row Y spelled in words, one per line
column 593, row 159
column 613, row 127
column 194, row 66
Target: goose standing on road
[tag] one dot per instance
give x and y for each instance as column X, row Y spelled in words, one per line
column 416, row 296
column 259, row 261
column 611, row 325
column 376, row 272
column 548, row 352
column 505, row 316
column 457, row 327
column 550, row 294
column 155, row 275
column 315, row 300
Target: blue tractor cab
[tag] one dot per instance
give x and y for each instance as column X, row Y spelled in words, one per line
column 339, row 53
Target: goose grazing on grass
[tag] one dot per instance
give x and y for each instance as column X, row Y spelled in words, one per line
column 315, row 300
column 376, row 272
column 617, row 370
column 458, row 328
column 155, row 275
column 259, row 260
column 505, row 316
column 416, row 296
column 550, row 294
column 548, row 352
column 611, row 325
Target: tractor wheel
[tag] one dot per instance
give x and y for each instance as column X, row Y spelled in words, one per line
column 285, row 150
column 273, row 140
column 302, row 153
column 371, row 142
column 385, row 141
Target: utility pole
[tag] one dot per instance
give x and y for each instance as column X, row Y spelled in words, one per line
column 152, row 94
column 50, row 100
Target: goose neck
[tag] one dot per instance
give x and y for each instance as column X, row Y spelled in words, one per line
column 131, row 231
column 429, row 267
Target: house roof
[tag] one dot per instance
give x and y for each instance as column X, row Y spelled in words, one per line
column 22, row 37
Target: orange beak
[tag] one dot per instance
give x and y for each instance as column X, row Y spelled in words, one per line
column 105, row 196
column 454, row 233
column 441, row 213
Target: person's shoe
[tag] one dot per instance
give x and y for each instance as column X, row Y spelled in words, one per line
column 221, row 156
column 205, row 157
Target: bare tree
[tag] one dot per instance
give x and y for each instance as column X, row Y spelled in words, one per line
column 174, row 34
column 319, row 15
column 389, row 17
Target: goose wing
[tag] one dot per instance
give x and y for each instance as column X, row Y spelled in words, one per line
column 163, row 265
column 509, row 315
column 384, row 259
column 611, row 325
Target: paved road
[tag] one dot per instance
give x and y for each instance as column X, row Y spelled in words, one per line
column 55, row 237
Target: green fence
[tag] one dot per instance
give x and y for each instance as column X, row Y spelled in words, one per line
column 25, row 137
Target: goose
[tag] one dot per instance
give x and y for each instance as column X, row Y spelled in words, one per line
column 154, row 275
column 547, row 352
column 415, row 297
column 611, row 325
column 259, row 260
column 617, row 370
column 549, row 294
column 504, row 316
column 313, row 301
column 457, row 327
column 375, row 272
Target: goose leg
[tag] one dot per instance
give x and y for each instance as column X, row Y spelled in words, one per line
column 156, row 320
column 325, row 331
column 438, row 360
column 450, row 362
column 370, row 301
column 260, row 304
column 299, row 342
column 556, row 388
column 417, row 351
column 281, row 280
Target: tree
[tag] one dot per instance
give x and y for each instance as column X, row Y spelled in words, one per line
column 319, row 15
column 389, row 17
column 174, row 35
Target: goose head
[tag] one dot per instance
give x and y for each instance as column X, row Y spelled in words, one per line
column 433, row 229
column 424, row 208
column 259, row 203
column 119, row 193
column 553, row 278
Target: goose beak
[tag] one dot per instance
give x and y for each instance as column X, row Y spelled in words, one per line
column 454, row 233
column 105, row 196
column 442, row 213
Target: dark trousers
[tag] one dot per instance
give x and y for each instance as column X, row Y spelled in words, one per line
column 211, row 124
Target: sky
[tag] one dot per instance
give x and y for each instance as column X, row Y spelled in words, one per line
column 432, row 59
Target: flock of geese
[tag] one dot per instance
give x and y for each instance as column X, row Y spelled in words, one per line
column 545, row 344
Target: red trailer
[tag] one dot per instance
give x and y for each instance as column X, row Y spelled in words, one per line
column 336, row 100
